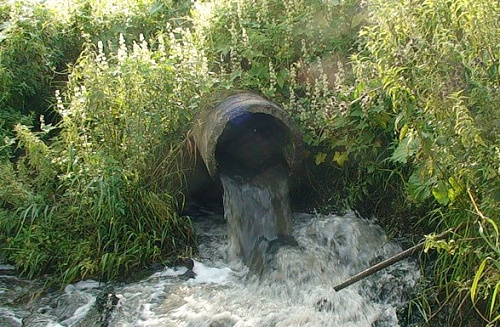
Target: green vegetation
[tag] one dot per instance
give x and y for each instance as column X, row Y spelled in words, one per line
column 398, row 101
column 438, row 63
column 96, row 194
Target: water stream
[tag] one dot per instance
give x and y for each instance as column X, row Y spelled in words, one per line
column 257, row 211
column 259, row 265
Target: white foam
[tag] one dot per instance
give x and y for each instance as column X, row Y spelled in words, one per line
column 210, row 275
column 169, row 272
column 54, row 324
column 4, row 312
column 88, row 284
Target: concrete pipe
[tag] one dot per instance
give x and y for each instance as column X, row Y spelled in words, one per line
column 245, row 133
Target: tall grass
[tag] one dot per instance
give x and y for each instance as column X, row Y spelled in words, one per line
column 94, row 204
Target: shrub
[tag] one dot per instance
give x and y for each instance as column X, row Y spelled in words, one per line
column 437, row 62
column 96, row 204
column 29, row 55
column 30, row 58
column 39, row 41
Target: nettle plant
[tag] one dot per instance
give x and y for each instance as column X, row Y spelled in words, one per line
column 109, row 184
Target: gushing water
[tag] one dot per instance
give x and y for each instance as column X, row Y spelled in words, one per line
column 297, row 291
column 257, row 211
column 298, row 258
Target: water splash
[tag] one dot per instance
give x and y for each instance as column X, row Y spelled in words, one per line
column 298, row 259
column 297, row 289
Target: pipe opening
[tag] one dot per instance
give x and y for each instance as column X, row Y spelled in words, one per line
column 251, row 143
column 241, row 135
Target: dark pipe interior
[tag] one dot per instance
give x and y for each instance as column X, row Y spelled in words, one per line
column 250, row 143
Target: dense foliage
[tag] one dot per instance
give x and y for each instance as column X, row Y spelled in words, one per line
column 97, row 194
column 397, row 100
column 438, row 63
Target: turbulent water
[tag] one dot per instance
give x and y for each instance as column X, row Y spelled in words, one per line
column 297, row 291
column 258, row 266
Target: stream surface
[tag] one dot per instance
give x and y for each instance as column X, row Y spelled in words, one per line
column 258, row 266
column 296, row 291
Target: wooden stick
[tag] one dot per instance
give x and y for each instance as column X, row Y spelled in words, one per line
column 392, row 260
column 379, row 266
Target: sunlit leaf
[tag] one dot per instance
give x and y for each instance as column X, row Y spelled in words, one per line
column 319, row 158
column 440, row 193
column 477, row 277
column 340, row 158
column 406, row 148
column 403, row 132
column 455, row 190
column 494, row 297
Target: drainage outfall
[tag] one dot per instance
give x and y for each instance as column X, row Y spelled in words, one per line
column 252, row 146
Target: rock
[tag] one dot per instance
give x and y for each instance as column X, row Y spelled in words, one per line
column 100, row 312
column 324, row 305
column 188, row 275
column 185, row 262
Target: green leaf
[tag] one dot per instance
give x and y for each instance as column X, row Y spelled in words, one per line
column 477, row 277
column 319, row 158
column 406, row 148
column 418, row 189
column 340, row 158
column 358, row 19
column 358, row 91
column 455, row 190
column 156, row 7
column 440, row 193
column 403, row 132
column 494, row 297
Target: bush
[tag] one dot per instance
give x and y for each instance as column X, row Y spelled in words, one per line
column 30, row 58
column 437, row 62
column 102, row 197
column 39, row 41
